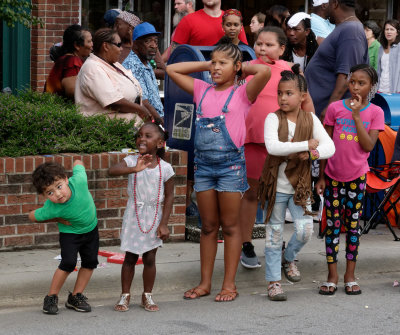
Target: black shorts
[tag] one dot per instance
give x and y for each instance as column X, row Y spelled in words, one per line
column 86, row 244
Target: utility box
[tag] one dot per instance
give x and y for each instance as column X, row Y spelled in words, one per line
column 390, row 103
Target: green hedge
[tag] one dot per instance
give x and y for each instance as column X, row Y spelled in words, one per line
column 35, row 123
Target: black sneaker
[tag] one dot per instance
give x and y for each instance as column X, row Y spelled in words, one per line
column 78, row 302
column 248, row 257
column 50, row 304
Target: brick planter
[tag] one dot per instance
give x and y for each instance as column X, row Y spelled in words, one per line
column 18, row 198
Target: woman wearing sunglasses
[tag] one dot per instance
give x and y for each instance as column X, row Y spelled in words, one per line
column 104, row 86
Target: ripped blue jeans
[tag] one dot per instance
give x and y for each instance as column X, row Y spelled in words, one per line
column 303, row 229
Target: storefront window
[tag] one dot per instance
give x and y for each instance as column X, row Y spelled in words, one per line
column 150, row 11
column 372, row 10
column 396, row 9
column 93, row 12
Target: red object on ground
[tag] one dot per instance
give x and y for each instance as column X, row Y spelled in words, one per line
column 105, row 253
column 116, row 257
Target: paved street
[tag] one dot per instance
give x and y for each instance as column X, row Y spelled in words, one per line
column 25, row 277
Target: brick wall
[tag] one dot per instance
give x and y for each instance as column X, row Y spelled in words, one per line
column 18, row 198
column 57, row 15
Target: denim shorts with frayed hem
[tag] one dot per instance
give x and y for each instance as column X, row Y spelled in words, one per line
column 226, row 176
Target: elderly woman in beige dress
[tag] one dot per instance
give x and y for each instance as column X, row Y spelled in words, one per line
column 104, row 86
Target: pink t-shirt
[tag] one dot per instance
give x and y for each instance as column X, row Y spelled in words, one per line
column 350, row 161
column 214, row 101
column 267, row 101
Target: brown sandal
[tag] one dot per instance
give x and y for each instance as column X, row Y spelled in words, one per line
column 232, row 294
column 123, row 304
column 198, row 292
column 147, row 302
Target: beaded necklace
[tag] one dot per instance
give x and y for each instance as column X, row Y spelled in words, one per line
column 158, row 200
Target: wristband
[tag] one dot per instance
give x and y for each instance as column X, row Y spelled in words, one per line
column 314, row 154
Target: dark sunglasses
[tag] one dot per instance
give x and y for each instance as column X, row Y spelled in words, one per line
column 116, row 44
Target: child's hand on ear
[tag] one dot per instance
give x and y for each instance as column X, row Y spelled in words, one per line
column 244, row 67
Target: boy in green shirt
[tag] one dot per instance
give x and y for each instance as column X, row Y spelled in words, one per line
column 70, row 204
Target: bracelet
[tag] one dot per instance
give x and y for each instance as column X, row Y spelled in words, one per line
column 314, row 154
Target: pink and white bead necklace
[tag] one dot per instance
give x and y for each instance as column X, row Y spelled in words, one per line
column 158, row 201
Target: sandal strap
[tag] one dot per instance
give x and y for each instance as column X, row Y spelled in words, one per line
column 148, row 299
column 271, row 286
column 124, row 299
column 230, row 293
column 328, row 284
column 293, row 269
column 274, row 289
column 351, row 284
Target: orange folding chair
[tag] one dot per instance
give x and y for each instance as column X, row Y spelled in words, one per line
column 382, row 187
column 386, row 178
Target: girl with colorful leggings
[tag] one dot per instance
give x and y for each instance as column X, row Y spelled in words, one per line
column 354, row 126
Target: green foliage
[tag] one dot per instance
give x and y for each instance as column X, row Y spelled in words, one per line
column 42, row 123
column 18, row 11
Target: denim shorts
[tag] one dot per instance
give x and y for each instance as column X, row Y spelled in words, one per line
column 223, row 176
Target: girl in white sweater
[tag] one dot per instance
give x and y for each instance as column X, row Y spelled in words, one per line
column 293, row 138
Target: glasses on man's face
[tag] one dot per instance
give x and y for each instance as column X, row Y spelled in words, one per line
column 118, row 45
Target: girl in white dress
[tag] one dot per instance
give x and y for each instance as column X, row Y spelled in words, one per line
column 144, row 227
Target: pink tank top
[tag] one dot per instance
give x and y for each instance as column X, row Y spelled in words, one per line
column 267, row 102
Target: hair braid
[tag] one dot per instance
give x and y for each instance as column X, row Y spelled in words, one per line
column 231, row 50
column 296, row 76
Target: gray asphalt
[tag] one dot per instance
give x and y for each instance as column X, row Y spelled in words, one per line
column 25, row 277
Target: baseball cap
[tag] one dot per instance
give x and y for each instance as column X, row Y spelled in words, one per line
column 297, row 18
column 317, row 3
column 111, row 15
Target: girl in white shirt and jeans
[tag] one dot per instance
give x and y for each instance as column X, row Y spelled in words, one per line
column 293, row 138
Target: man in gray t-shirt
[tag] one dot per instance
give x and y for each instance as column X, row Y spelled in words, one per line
column 345, row 47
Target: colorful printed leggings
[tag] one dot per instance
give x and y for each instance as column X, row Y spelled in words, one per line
column 343, row 202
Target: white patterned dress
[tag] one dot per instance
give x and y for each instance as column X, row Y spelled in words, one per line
column 132, row 239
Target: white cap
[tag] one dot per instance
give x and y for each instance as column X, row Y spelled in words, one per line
column 297, row 18
column 317, row 3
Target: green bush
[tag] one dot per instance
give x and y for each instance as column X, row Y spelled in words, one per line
column 39, row 123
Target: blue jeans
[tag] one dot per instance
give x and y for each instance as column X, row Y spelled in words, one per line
column 303, row 229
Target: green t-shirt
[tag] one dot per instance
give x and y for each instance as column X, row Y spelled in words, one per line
column 79, row 210
column 373, row 51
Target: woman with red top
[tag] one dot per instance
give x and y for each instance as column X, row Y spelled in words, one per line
column 269, row 47
column 77, row 46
